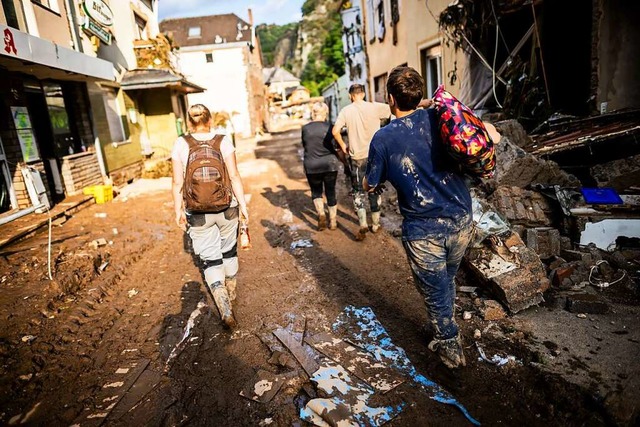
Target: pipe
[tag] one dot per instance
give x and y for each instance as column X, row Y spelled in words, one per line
column 73, row 27
column 19, row 214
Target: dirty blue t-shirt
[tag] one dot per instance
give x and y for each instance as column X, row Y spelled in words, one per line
column 432, row 198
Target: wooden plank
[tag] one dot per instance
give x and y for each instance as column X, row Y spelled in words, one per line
column 357, row 361
column 303, row 354
column 146, row 383
column 111, row 393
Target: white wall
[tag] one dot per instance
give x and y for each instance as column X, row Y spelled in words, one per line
column 225, row 80
column 124, row 30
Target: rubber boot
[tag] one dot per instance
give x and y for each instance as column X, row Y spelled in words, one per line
column 375, row 222
column 333, row 217
column 221, row 298
column 362, row 219
column 230, row 283
column 322, row 218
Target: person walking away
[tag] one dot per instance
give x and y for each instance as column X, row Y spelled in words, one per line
column 213, row 234
column 321, row 164
column 362, row 120
column 434, row 201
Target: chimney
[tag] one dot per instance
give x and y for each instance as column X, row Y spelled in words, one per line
column 250, row 17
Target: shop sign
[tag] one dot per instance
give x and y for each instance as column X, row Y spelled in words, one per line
column 99, row 11
column 14, row 43
column 92, row 26
column 26, row 137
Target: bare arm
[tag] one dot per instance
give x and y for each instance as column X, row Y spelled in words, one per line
column 337, row 135
column 236, row 183
column 176, row 191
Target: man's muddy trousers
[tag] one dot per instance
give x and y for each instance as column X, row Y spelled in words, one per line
column 434, row 262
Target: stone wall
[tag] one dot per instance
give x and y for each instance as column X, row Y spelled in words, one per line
column 79, row 171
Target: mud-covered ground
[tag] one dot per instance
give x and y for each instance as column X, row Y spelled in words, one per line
column 98, row 344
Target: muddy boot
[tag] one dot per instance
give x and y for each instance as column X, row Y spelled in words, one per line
column 322, row 218
column 450, row 351
column 375, row 222
column 362, row 219
column 221, row 298
column 230, row 284
column 333, row 217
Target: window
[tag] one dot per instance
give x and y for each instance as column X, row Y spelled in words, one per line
column 118, row 126
column 148, row 3
column 380, row 88
column 380, row 28
column 209, row 57
column 10, row 15
column 141, row 27
column 194, row 32
column 49, row 4
column 431, row 68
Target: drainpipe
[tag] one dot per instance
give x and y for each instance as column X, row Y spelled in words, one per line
column 73, row 27
column 19, row 214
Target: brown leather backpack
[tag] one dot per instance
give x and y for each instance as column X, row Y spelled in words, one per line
column 207, row 187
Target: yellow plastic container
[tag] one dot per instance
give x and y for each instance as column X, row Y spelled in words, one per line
column 88, row 190
column 103, row 193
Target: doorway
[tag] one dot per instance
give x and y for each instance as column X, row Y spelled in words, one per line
column 42, row 128
column 8, row 199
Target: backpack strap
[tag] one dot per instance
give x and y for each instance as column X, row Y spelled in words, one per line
column 191, row 141
column 216, row 142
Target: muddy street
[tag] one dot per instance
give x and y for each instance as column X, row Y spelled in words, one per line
column 127, row 334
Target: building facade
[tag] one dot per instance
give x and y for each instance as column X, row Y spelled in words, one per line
column 221, row 54
column 142, row 112
column 407, row 33
column 48, row 144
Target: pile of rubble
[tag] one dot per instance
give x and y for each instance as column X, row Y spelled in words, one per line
column 537, row 231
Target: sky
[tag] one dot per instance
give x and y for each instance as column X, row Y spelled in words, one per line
column 264, row 11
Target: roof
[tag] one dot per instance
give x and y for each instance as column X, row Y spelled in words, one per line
column 568, row 133
column 278, row 75
column 214, row 29
column 152, row 79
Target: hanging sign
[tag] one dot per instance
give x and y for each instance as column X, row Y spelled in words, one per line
column 99, row 11
column 97, row 30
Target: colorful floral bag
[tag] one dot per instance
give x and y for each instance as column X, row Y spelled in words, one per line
column 464, row 135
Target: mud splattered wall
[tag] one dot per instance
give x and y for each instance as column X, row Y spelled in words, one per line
column 619, row 54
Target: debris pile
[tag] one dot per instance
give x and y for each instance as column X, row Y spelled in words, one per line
column 539, row 231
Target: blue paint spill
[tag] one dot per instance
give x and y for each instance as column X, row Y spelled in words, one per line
column 366, row 331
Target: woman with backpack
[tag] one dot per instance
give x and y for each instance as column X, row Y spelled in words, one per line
column 208, row 199
column 321, row 164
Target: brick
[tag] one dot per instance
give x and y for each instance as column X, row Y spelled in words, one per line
column 571, row 255
column 544, row 241
column 586, row 303
column 517, row 278
column 559, row 275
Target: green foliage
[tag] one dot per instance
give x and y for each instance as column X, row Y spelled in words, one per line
column 326, row 63
column 270, row 35
column 309, row 6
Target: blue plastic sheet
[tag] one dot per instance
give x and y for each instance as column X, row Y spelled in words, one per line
column 361, row 327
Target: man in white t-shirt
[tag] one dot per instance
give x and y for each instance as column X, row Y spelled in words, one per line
column 362, row 120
